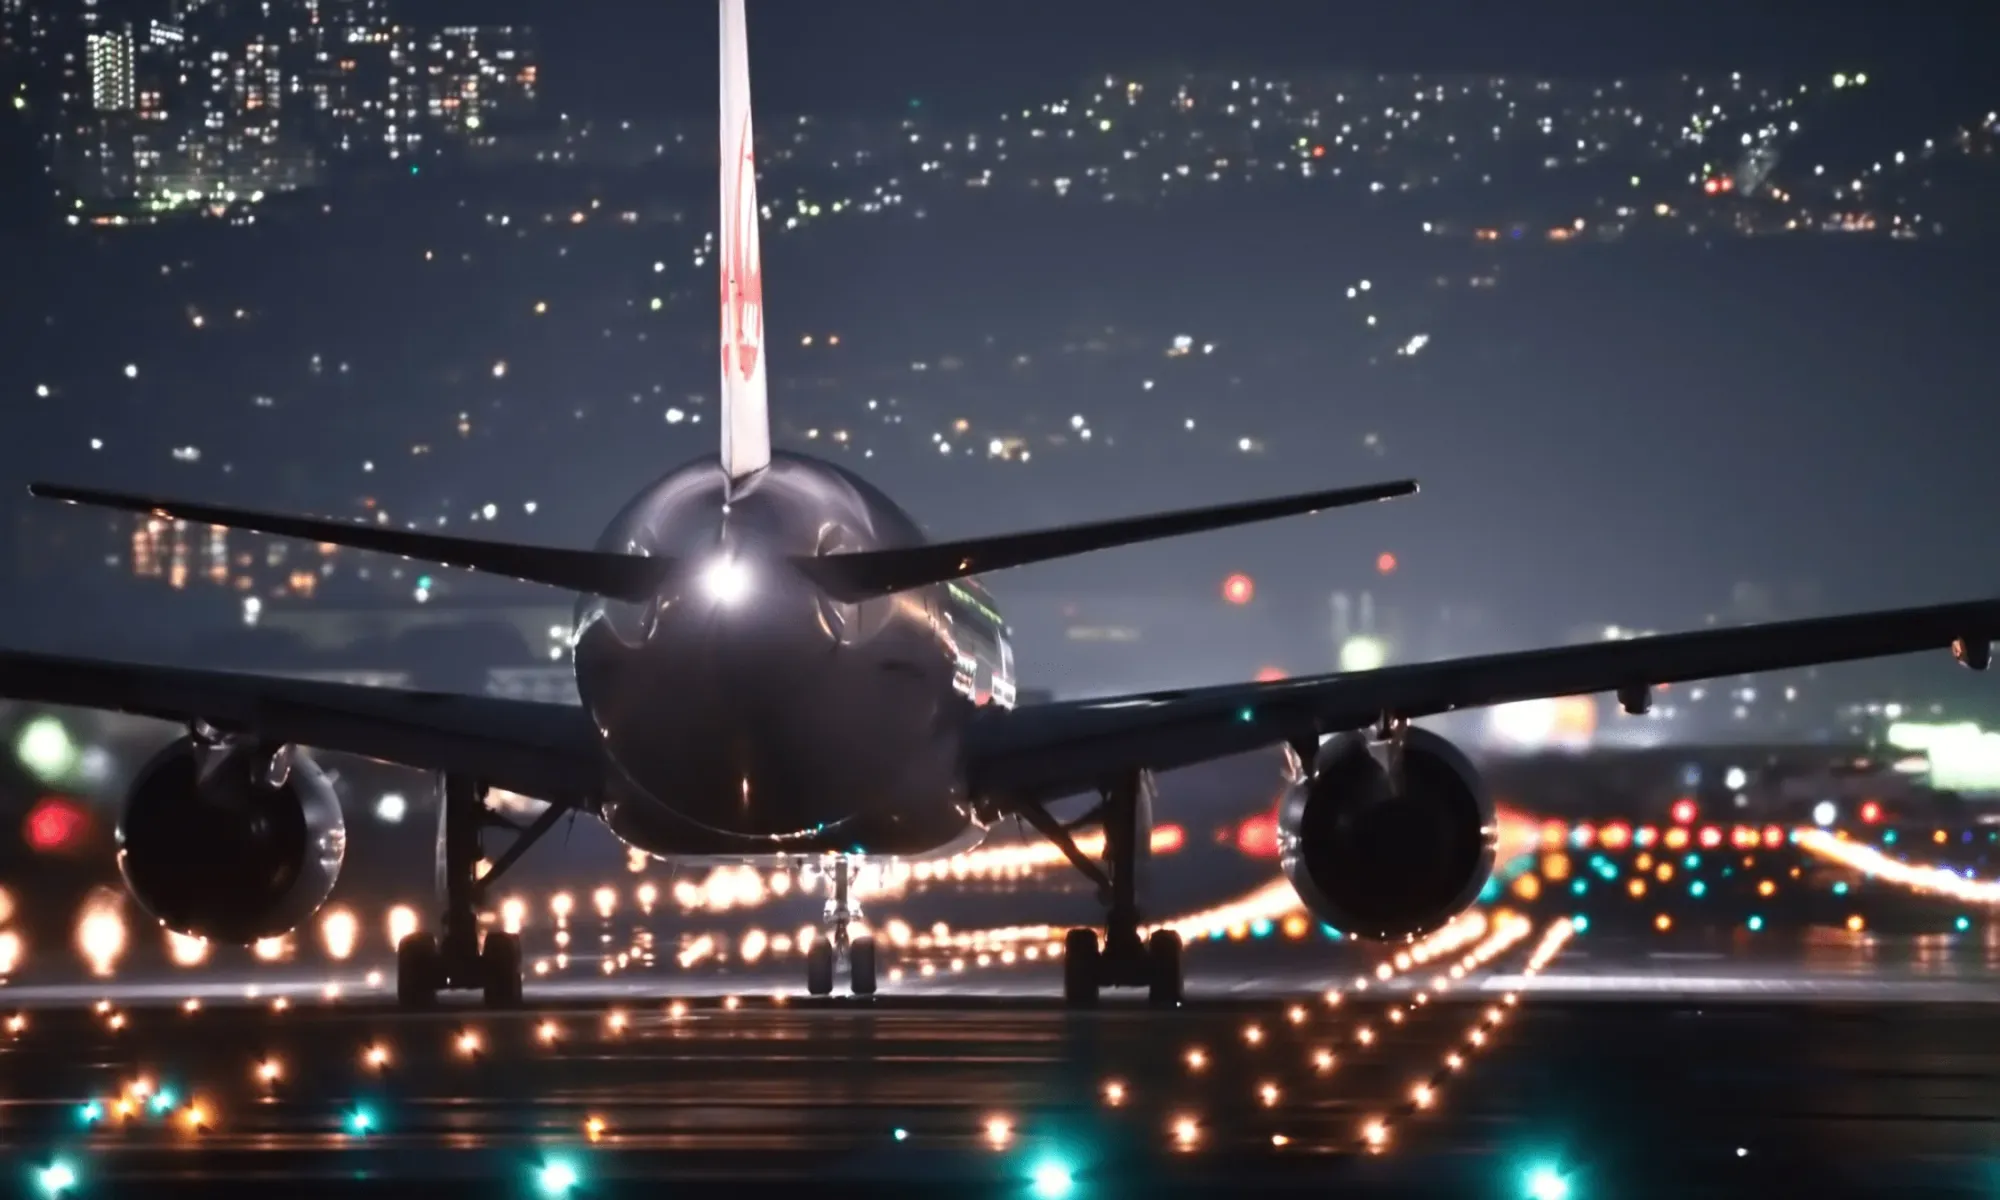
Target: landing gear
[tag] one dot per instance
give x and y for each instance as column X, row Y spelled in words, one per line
column 841, row 912
column 819, row 969
column 861, row 966
column 1122, row 959
column 457, row 958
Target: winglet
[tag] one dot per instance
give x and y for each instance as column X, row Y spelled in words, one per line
column 746, row 417
column 868, row 573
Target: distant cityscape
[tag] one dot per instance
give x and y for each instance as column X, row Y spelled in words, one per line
column 143, row 110
column 571, row 238
column 147, row 108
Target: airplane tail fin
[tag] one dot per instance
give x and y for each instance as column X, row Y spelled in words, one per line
column 868, row 573
column 631, row 577
column 746, row 417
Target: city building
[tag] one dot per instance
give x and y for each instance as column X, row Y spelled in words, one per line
column 216, row 105
column 109, row 59
column 478, row 78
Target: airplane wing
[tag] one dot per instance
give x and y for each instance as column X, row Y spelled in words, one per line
column 634, row 577
column 862, row 574
column 851, row 577
column 1050, row 750
column 548, row 751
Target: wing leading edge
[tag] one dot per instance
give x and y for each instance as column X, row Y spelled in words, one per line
column 1054, row 749
column 548, row 751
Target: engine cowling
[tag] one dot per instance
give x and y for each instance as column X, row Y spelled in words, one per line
column 1386, row 862
column 232, row 842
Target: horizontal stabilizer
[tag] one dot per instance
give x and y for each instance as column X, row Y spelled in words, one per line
column 621, row 576
column 868, row 573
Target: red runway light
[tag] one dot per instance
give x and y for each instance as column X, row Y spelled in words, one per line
column 1238, row 588
column 53, row 824
column 1684, row 811
column 1871, row 812
column 1385, row 562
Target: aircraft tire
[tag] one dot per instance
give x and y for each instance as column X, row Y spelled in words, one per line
column 819, row 968
column 1081, row 959
column 861, row 966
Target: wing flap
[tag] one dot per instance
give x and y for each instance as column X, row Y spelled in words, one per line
column 622, row 576
column 1056, row 748
column 868, row 573
column 548, row 751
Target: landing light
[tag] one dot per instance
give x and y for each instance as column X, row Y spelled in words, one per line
column 726, row 581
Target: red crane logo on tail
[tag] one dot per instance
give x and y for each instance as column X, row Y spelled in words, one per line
column 743, row 272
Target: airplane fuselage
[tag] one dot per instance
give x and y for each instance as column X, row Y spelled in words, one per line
column 745, row 712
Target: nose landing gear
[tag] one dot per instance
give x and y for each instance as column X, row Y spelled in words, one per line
column 859, row 952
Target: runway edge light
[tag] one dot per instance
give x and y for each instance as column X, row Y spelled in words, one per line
column 1052, row 1179
column 1544, row 1182
column 557, row 1177
column 57, row 1178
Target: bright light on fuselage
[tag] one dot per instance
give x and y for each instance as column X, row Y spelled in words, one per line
column 726, row 580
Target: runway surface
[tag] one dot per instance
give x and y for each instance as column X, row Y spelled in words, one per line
column 1509, row 1063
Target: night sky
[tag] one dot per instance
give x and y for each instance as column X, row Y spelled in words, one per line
column 1627, row 434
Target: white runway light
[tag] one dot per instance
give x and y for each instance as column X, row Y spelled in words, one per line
column 726, row 581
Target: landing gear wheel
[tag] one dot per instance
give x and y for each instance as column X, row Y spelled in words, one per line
column 861, row 966
column 500, row 970
column 819, row 968
column 1081, row 969
column 1163, row 967
column 419, row 970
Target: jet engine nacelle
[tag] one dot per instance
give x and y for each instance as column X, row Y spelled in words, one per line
column 231, row 842
column 1382, row 851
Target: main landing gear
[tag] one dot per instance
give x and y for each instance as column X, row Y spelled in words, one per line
column 1122, row 959
column 427, row 964
column 841, row 912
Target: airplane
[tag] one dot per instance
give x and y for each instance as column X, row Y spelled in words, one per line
column 775, row 665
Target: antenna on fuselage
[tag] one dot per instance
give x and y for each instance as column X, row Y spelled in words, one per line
column 746, row 417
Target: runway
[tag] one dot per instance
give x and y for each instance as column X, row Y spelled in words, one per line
column 1566, row 1044
column 1513, row 1058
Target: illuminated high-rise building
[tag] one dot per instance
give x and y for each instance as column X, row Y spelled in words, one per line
column 479, row 76
column 401, row 131
column 109, row 57
column 13, row 53
column 338, row 74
